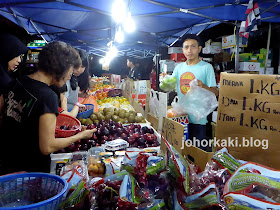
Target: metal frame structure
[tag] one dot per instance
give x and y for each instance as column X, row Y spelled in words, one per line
column 99, row 50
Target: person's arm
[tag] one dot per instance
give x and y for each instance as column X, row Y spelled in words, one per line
column 84, row 94
column 63, row 101
column 210, row 84
column 212, row 89
column 73, row 112
column 47, row 141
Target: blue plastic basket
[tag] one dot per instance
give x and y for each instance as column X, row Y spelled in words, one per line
column 38, row 191
column 87, row 113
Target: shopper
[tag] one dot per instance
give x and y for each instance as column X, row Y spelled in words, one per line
column 30, row 110
column 62, row 107
column 84, row 78
column 73, row 89
column 134, row 72
column 11, row 49
column 194, row 68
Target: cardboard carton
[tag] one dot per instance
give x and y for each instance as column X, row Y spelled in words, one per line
column 248, row 114
column 249, row 66
column 176, row 134
column 229, row 41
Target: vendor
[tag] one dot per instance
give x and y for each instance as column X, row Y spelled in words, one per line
column 134, row 72
column 194, row 68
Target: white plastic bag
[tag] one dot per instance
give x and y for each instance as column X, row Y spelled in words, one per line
column 177, row 108
column 198, row 101
column 154, row 103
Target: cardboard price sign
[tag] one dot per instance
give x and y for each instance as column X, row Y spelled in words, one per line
column 248, row 117
column 173, row 132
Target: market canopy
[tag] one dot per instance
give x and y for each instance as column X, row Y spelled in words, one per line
column 89, row 24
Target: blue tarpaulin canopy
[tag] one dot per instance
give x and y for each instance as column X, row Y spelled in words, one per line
column 88, row 24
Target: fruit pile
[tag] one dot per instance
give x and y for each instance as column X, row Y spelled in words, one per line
column 99, row 94
column 80, row 145
column 117, row 115
column 108, row 195
column 118, row 102
column 133, row 134
column 82, row 109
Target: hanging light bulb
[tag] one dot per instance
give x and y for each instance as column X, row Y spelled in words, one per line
column 119, row 11
column 129, row 24
column 113, row 52
column 101, row 60
column 119, row 37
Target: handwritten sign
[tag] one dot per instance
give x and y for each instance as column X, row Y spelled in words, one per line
column 174, row 133
column 248, row 114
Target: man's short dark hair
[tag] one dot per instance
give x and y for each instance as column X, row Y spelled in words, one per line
column 57, row 58
column 191, row 36
column 132, row 60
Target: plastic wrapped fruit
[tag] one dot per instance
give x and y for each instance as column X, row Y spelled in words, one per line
column 168, row 83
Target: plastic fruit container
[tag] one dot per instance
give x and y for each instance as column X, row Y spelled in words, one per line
column 86, row 114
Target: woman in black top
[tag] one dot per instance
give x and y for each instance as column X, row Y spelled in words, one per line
column 11, row 48
column 30, row 110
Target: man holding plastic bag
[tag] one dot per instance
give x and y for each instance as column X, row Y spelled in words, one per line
column 203, row 87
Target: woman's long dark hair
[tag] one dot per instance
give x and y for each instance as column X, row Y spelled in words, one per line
column 83, row 80
column 74, row 82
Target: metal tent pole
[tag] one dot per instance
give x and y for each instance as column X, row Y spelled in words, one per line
column 237, row 49
column 267, row 47
column 34, row 26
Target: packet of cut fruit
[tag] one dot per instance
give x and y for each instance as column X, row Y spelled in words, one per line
column 79, row 193
column 226, row 161
column 113, row 165
column 252, row 178
column 246, row 202
column 155, row 204
column 155, row 165
column 129, row 161
column 178, row 166
column 74, row 173
column 116, row 177
column 208, row 197
column 127, row 195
